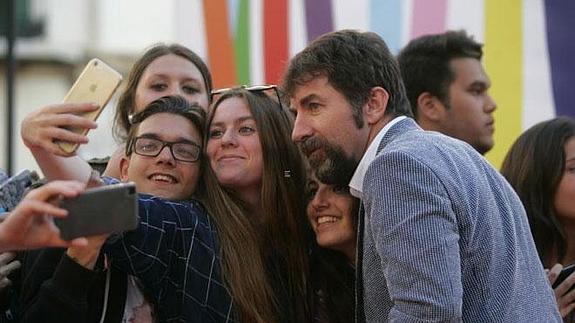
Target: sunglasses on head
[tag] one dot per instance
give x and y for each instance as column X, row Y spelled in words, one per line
column 250, row 88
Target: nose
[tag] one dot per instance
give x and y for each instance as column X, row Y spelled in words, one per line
column 490, row 105
column 301, row 130
column 166, row 156
column 228, row 138
column 319, row 201
column 175, row 90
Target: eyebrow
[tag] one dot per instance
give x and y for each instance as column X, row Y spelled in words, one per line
column 482, row 84
column 187, row 78
column 151, row 135
column 305, row 100
column 239, row 120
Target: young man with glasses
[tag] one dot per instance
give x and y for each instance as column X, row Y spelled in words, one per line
column 170, row 173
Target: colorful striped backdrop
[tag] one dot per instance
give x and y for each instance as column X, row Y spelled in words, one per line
column 529, row 45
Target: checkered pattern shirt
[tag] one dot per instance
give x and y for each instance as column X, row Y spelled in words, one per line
column 174, row 252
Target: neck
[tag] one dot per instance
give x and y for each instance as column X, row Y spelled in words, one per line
column 349, row 252
column 376, row 128
column 252, row 198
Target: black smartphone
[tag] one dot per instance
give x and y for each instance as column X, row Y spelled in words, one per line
column 105, row 209
column 565, row 272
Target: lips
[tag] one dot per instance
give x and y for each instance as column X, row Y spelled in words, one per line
column 163, row 178
column 326, row 219
column 491, row 125
column 229, row 157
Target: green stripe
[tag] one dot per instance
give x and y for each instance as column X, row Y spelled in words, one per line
column 242, row 43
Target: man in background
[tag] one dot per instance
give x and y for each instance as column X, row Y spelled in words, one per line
column 447, row 87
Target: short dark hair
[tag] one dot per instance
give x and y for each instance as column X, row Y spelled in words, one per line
column 424, row 63
column 173, row 104
column 126, row 101
column 534, row 167
column 354, row 62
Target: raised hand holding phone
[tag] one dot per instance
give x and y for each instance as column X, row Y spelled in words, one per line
column 61, row 128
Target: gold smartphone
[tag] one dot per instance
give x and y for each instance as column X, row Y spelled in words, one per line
column 96, row 84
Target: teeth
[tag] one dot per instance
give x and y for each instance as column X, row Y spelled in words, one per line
column 163, row 178
column 326, row 219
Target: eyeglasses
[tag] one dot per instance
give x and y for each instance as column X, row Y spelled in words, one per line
column 182, row 151
column 251, row 88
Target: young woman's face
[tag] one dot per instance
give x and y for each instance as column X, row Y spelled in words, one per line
column 565, row 194
column 331, row 212
column 233, row 146
column 171, row 75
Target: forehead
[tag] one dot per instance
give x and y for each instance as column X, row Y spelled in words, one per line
column 168, row 125
column 468, row 70
column 317, row 88
column 570, row 148
column 231, row 108
column 172, row 65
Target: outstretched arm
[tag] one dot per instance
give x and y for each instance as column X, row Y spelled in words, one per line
column 30, row 226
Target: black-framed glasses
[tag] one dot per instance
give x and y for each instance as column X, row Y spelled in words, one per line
column 151, row 147
column 250, row 88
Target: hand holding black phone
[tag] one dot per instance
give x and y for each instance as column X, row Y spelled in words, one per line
column 565, row 272
column 105, row 209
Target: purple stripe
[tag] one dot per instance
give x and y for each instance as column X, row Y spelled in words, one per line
column 561, row 43
column 318, row 15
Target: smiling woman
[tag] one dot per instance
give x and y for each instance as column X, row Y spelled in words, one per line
column 332, row 213
column 259, row 211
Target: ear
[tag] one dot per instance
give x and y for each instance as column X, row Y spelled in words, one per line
column 429, row 107
column 374, row 109
column 124, row 165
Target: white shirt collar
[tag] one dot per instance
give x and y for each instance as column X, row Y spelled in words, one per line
column 356, row 183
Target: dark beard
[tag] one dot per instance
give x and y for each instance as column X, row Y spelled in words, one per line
column 335, row 168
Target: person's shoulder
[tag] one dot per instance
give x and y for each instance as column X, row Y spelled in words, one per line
column 430, row 145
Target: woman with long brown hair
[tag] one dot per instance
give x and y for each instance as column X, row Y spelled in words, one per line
column 541, row 168
column 253, row 190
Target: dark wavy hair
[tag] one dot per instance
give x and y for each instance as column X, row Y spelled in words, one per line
column 424, row 63
column 354, row 62
column 534, row 167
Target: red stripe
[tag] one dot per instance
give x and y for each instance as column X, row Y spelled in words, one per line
column 275, row 39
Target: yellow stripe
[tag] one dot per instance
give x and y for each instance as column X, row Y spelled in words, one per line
column 504, row 63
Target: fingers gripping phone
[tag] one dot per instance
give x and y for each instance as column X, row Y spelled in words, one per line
column 96, row 84
column 563, row 275
column 104, row 209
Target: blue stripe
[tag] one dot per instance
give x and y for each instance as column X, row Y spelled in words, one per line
column 385, row 19
column 233, row 16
